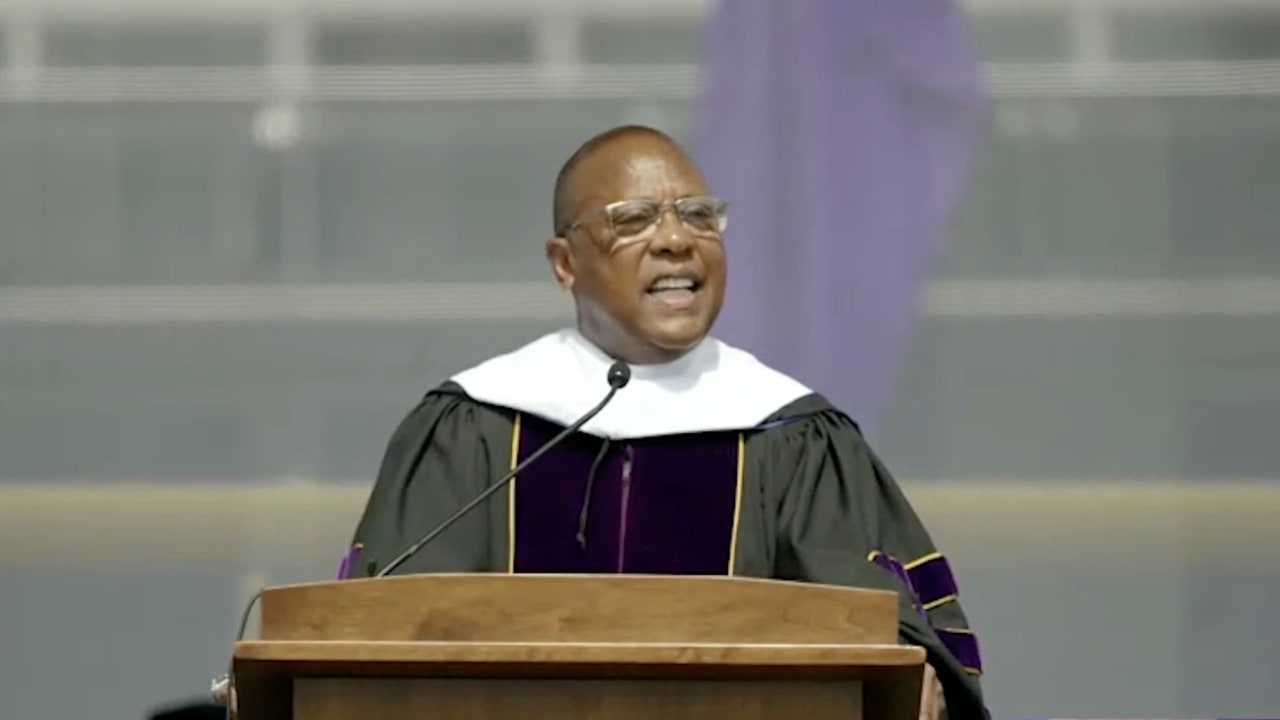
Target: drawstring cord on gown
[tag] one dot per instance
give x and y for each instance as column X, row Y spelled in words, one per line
column 586, row 496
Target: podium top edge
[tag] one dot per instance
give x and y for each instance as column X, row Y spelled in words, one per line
column 621, row 579
column 582, row 653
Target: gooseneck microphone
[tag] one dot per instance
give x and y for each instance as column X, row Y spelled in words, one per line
column 618, row 377
column 223, row 688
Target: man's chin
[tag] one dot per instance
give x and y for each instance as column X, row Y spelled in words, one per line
column 678, row 334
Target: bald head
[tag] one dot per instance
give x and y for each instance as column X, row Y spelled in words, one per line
column 571, row 172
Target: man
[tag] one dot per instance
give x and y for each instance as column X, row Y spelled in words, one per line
column 706, row 462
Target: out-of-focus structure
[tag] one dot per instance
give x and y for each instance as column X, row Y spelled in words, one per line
column 239, row 238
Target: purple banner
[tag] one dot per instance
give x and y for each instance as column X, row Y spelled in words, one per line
column 841, row 132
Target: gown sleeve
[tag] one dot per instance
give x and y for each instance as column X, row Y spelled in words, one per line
column 843, row 520
column 440, row 457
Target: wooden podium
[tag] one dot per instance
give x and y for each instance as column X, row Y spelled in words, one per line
column 517, row 647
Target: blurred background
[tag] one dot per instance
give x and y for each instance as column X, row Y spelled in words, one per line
column 239, row 239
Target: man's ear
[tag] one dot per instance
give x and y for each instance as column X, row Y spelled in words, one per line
column 561, row 261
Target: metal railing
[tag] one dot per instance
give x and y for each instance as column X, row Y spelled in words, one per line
column 531, row 82
column 519, row 301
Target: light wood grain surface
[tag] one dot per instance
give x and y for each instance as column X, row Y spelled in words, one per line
column 579, row 608
column 582, row 646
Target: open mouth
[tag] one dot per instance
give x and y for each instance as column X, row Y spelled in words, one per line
column 674, row 291
column 674, row 285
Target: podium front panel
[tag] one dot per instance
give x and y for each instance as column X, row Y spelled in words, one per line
column 579, row 699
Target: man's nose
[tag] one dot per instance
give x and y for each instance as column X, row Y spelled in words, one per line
column 670, row 235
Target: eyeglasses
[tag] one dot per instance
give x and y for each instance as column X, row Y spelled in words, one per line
column 636, row 220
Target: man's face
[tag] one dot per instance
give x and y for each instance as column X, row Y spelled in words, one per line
column 643, row 256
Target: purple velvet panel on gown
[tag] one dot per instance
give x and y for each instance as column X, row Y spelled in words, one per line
column 658, row 505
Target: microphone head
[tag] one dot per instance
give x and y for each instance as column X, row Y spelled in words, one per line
column 619, row 375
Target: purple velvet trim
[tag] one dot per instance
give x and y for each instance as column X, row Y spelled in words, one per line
column 932, row 580
column 679, row 505
column 348, row 563
column 937, row 581
column 895, row 568
column 964, row 646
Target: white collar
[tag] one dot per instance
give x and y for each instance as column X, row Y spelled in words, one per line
column 562, row 375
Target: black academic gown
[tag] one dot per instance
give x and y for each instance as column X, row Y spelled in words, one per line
column 193, row 710
column 810, row 502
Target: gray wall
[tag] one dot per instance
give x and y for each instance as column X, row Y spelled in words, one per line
column 191, row 407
